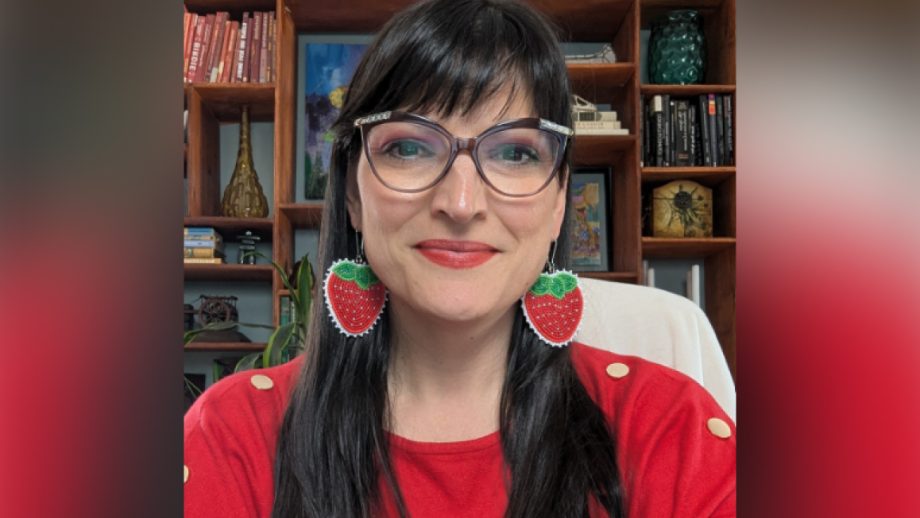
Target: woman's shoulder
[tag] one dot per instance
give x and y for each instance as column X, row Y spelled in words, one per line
column 672, row 437
column 259, row 395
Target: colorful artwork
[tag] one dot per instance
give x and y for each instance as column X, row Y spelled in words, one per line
column 329, row 67
column 589, row 240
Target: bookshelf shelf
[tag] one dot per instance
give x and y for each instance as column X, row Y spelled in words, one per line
column 225, row 100
column 630, row 277
column 226, row 346
column 601, row 149
column 664, row 247
column 229, row 228
column 688, row 90
column 303, row 215
column 708, row 176
column 228, row 272
column 600, row 81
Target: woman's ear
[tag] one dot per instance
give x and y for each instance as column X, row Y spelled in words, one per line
column 353, row 198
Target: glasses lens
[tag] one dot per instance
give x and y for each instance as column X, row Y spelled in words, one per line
column 406, row 155
column 518, row 161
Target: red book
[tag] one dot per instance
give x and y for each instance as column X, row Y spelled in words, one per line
column 256, row 49
column 204, row 54
column 230, row 69
column 196, row 49
column 247, row 57
column 187, row 26
column 241, row 52
column 226, row 59
column 270, row 69
column 263, row 49
column 220, row 31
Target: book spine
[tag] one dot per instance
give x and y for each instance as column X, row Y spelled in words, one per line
column 188, row 25
column 263, row 48
column 224, row 53
column 196, row 49
column 682, row 134
column 672, row 132
column 247, row 57
column 720, row 128
column 704, row 131
column 220, row 47
column 666, row 110
column 255, row 56
column 202, row 253
column 205, row 48
column 694, row 136
column 711, row 122
column 241, row 53
column 658, row 111
column 230, row 71
column 203, row 243
column 203, row 260
column 272, row 27
column 601, row 131
column 646, row 135
column 729, row 131
column 597, row 124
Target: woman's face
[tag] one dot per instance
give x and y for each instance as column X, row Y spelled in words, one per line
column 459, row 251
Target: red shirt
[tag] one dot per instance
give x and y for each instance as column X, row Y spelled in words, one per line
column 675, row 447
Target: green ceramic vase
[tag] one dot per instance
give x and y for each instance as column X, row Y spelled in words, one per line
column 677, row 49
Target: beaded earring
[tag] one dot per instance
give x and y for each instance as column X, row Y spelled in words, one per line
column 554, row 305
column 354, row 296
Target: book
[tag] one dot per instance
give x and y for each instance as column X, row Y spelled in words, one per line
column 203, row 260
column 694, row 136
column 681, row 133
column 241, row 49
column 658, row 129
column 188, row 33
column 646, row 136
column 601, row 131
column 597, row 124
column 205, row 48
column 720, row 130
column 704, row 131
column 202, row 253
column 667, row 136
column 711, row 123
column 247, row 58
column 220, row 46
column 196, row 49
column 229, row 72
column 729, row 131
column 263, row 60
column 255, row 48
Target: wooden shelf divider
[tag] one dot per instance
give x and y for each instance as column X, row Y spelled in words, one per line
column 228, row 272
column 669, row 247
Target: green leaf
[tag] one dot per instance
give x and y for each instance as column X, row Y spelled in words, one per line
column 557, row 289
column 364, row 277
column 277, row 343
column 542, row 285
column 345, row 270
column 567, row 281
column 247, row 362
column 305, row 283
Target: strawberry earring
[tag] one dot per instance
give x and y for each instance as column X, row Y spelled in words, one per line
column 354, row 295
column 554, row 305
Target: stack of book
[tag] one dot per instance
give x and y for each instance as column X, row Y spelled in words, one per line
column 219, row 50
column 203, row 245
column 598, row 123
column 695, row 131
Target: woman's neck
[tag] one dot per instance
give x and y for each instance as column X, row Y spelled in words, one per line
column 446, row 378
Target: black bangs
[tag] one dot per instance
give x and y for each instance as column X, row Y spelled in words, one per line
column 448, row 65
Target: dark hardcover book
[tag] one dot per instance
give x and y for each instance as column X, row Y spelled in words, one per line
column 711, row 127
column 658, row 112
column 720, row 129
column 666, row 111
column 704, row 131
column 682, row 133
column 694, row 134
column 729, row 131
column 646, row 135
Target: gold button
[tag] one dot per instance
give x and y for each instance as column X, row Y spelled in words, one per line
column 261, row 382
column 184, row 473
column 617, row 370
column 719, row 428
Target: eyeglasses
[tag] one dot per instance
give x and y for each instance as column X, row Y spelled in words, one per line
column 410, row 153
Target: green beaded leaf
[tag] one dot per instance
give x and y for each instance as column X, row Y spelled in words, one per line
column 364, row 277
column 567, row 281
column 345, row 270
column 542, row 285
column 557, row 289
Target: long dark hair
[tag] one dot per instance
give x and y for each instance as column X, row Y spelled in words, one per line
column 443, row 56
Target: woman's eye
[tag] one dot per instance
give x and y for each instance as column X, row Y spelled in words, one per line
column 407, row 149
column 516, row 154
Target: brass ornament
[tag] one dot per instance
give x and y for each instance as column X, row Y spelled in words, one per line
column 243, row 197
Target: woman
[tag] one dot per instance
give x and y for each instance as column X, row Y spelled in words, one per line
column 439, row 379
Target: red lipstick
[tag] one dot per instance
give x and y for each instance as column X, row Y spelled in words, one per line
column 456, row 254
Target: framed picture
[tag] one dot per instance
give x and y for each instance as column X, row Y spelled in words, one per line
column 327, row 70
column 590, row 229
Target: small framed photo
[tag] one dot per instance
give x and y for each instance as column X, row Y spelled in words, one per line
column 590, row 231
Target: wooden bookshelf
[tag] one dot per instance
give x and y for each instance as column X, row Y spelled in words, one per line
column 229, row 228
column 617, row 22
column 228, row 272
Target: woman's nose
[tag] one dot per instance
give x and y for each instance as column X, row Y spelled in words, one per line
column 460, row 195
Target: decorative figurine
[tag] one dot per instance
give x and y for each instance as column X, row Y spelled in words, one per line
column 247, row 246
